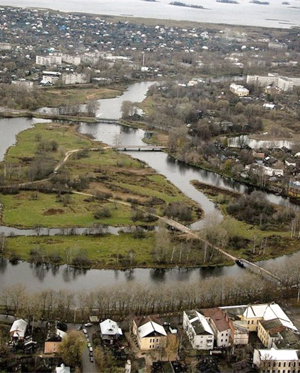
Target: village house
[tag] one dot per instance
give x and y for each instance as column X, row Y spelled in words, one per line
column 54, row 339
column 110, row 330
column 18, row 330
column 239, row 90
column 219, row 323
column 149, row 333
column 279, row 361
column 199, row 332
column 62, row 369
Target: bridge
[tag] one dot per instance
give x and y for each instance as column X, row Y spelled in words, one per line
column 140, row 148
column 107, row 120
column 244, row 263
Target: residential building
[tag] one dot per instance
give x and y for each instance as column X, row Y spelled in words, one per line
column 74, row 78
column 62, row 369
column 254, row 313
column 277, row 361
column 110, row 330
column 51, row 59
column 72, row 60
column 53, row 340
column 219, row 322
column 268, row 331
column 294, row 188
column 50, row 77
column 198, row 330
column 149, row 332
column 239, row 90
column 18, row 330
column 284, row 83
column 239, row 331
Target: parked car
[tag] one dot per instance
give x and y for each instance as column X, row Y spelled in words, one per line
column 84, row 331
column 88, row 324
column 91, row 359
column 89, row 344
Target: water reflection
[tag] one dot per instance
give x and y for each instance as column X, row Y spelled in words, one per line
column 3, row 265
column 158, row 274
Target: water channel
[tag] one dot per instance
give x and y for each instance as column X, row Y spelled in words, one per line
column 37, row 278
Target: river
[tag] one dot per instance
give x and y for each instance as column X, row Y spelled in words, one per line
column 276, row 14
column 41, row 277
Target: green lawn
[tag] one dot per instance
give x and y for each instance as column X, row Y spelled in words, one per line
column 104, row 251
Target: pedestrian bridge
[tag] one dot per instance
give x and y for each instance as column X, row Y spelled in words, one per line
column 140, row 148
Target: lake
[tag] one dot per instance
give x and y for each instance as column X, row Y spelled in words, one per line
column 275, row 14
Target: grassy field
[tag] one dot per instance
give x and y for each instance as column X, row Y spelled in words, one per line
column 24, row 210
column 107, row 171
column 54, row 97
column 29, row 141
column 105, row 251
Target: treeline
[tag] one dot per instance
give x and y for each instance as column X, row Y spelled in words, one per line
column 256, row 209
column 120, row 301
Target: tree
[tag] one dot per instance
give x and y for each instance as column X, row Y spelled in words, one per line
column 71, row 348
column 128, row 109
column 162, row 245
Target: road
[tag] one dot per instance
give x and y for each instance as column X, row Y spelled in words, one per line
column 87, row 366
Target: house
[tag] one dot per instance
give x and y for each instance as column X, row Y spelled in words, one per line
column 294, row 188
column 18, row 330
column 219, row 323
column 75, row 78
column 290, row 162
column 149, row 332
column 54, row 339
column 62, row 369
column 198, row 330
column 50, row 77
column 110, row 330
column 279, row 361
column 254, row 313
column 239, row 332
column 239, row 90
column 268, row 331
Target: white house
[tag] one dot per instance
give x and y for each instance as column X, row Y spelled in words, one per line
column 75, row 78
column 219, row 323
column 239, row 90
column 18, row 330
column 279, row 361
column 62, row 369
column 110, row 330
column 50, row 77
column 198, row 330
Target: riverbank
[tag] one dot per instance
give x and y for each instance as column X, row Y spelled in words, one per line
column 248, row 241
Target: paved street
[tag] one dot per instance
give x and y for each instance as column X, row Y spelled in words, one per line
column 87, row 366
